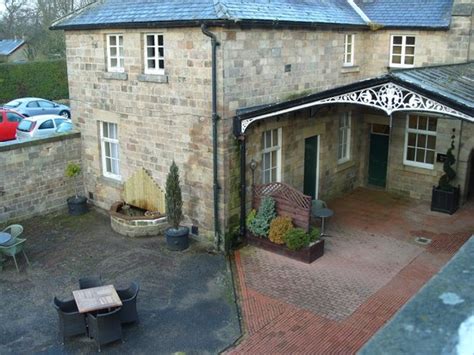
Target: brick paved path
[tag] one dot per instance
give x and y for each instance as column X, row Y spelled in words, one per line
column 371, row 267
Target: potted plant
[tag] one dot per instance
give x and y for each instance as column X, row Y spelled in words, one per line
column 177, row 237
column 445, row 197
column 77, row 205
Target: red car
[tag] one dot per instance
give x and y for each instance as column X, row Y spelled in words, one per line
column 9, row 120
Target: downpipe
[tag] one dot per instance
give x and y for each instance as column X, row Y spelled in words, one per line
column 215, row 118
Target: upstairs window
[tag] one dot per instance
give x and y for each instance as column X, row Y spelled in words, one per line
column 402, row 51
column 344, row 147
column 349, row 50
column 115, row 53
column 110, row 150
column 271, row 156
column 420, row 141
column 154, row 54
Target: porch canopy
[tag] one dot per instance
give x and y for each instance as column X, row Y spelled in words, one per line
column 445, row 90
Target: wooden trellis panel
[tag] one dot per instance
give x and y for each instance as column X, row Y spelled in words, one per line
column 142, row 191
column 288, row 202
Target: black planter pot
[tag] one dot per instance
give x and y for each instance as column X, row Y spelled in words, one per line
column 77, row 205
column 445, row 201
column 177, row 239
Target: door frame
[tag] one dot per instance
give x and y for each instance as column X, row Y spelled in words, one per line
column 318, row 153
column 389, row 135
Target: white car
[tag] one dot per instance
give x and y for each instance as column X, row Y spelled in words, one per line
column 40, row 126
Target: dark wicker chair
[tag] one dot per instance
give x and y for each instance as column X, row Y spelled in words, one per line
column 128, row 313
column 90, row 281
column 105, row 328
column 71, row 322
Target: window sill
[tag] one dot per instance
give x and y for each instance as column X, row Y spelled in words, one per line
column 115, row 76
column 350, row 69
column 153, row 78
column 343, row 165
column 110, row 182
column 419, row 170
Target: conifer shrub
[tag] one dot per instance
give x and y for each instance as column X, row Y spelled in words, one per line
column 296, row 239
column 278, row 228
column 260, row 226
column 314, row 234
column 250, row 217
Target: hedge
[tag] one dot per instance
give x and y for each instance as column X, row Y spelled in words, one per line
column 46, row 79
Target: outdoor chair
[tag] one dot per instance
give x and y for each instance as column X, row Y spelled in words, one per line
column 90, row 281
column 14, row 230
column 128, row 313
column 71, row 322
column 105, row 328
column 14, row 247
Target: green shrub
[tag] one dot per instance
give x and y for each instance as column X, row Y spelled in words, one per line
column 296, row 239
column 73, row 171
column 250, row 217
column 278, row 228
column 449, row 173
column 314, row 234
column 260, row 226
column 46, row 79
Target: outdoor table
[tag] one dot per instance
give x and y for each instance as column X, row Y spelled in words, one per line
column 96, row 298
column 5, row 237
column 323, row 213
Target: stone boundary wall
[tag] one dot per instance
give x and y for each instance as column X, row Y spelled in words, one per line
column 32, row 180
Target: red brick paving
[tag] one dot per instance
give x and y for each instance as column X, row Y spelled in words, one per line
column 371, row 268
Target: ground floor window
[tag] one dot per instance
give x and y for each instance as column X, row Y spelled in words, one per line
column 271, row 156
column 110, row 150
column 420, row 141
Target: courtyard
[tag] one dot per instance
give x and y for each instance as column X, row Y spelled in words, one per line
column 374, row 263
column 381, row 250
column 185, row 304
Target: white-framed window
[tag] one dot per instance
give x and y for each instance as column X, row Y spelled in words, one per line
column 110, row 150
column 402, row 51
column 154, row 54
column 349, row 50
column 115, row 53
column 344, row 144
column 420, row 141
column 271, row 156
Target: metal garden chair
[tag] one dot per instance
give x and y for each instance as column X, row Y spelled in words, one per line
column 90, row 281
column 14, row 247
column 14, row 230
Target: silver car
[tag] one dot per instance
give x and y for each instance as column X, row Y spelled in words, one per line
column 41, row 126
column 34, row 106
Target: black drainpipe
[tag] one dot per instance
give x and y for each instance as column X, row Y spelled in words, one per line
column 243, row 188
column 215, row 118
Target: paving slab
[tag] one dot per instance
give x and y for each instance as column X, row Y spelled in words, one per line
column 185, row 304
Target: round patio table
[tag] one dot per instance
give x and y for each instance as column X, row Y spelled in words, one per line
column 323, row 213
column 5, row 237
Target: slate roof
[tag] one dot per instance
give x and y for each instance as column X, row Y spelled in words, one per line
column 408, row 13
column 117, row 13
column 8, row 46
column 454, row 82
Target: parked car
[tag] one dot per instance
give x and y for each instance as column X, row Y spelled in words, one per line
column 33, row 106
column 40, row 126
column 9, row 121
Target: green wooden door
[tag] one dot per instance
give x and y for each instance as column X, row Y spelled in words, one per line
column 311, row 166
column 378, row 159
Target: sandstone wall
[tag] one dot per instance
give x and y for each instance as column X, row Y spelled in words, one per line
column 32, row 180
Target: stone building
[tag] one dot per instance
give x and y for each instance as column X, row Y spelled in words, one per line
column 13, row 51
column 217, row 85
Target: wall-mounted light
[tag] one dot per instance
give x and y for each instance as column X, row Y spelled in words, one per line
column 253, row 166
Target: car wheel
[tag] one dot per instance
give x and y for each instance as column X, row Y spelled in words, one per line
column 65, row 114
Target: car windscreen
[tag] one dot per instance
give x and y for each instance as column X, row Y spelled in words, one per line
column 13, row 104
column 25, row 126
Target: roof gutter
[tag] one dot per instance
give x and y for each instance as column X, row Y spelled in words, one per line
column 215, row 118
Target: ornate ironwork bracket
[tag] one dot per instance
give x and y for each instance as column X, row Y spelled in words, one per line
column 388, row 97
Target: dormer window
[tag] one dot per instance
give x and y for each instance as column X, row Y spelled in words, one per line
column 402, row 51
column 154, row 54
column 115, row 53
